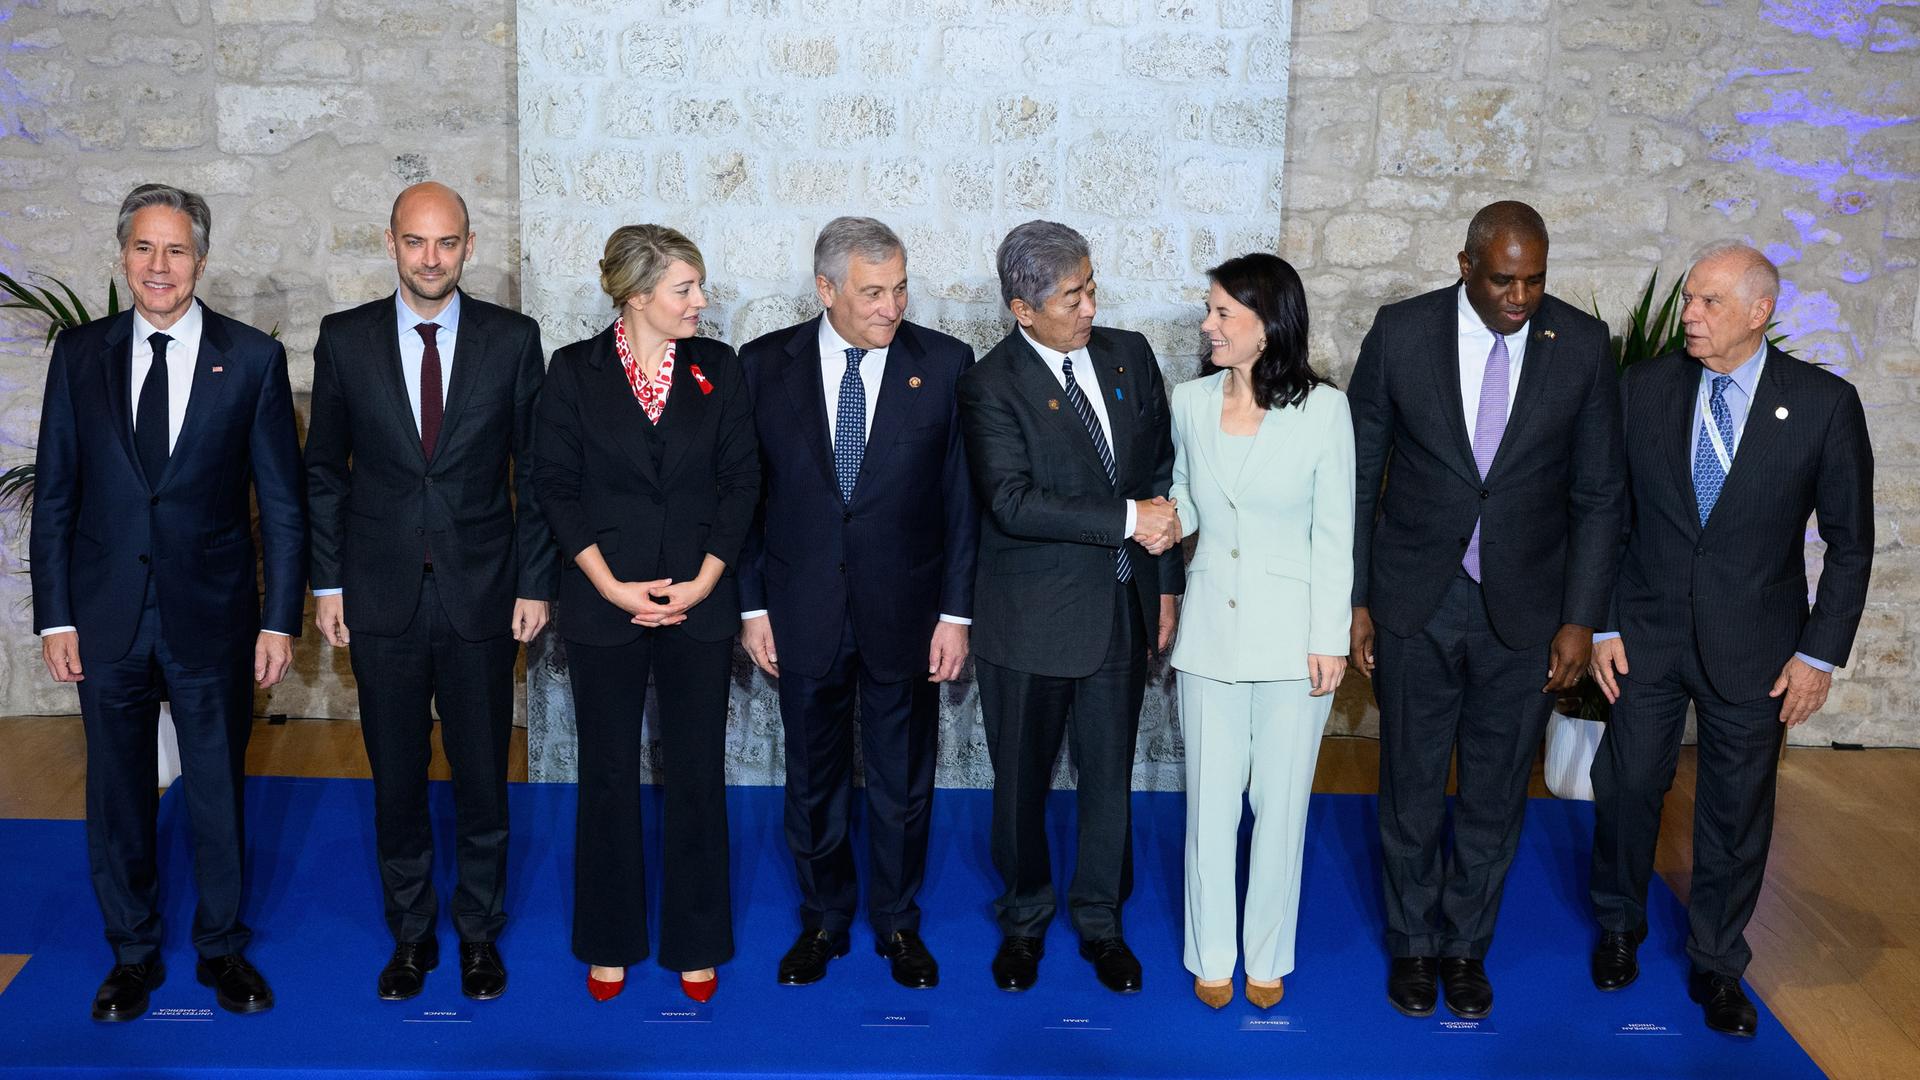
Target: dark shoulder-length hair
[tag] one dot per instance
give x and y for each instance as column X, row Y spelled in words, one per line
column 1269, row 286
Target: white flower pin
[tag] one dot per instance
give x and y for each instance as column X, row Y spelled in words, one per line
column 1780, row 413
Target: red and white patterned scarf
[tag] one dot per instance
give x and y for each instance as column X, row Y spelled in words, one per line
column 650, row 393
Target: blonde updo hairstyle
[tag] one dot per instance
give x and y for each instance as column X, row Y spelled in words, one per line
column 637, row 257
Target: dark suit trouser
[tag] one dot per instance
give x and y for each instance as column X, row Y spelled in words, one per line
column 899, row 728
column 401, row 678
column 1454, row 684
column 1026, row 716
column 691, row 679
column 213, row 716
column 1739, row 759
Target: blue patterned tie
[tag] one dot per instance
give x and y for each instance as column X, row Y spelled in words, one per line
column 1708, row 476
column 850, row 426
column 1122, row 565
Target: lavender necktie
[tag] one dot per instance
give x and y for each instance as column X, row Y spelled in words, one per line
column 1489, row 424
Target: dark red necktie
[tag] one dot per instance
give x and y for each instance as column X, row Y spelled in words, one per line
column 432, row 409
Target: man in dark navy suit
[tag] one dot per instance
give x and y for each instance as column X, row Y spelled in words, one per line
column 861, row 568
column 156, row 423
column 1731, row 447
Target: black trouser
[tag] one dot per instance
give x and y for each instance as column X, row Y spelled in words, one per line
column 401, row 679
column 610, row 897
column 899, row 729
column 1738, row 760
column 1026, row 716
column 1454, row 685
column 213, row 716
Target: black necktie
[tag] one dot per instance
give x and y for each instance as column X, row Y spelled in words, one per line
column 150, row 415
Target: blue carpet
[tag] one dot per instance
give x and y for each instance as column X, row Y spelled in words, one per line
column 315, row 908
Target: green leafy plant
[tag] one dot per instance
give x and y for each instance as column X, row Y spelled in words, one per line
column 62, row 308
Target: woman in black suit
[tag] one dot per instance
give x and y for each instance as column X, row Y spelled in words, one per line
column 647, row 469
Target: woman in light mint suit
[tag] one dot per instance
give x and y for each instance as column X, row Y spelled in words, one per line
column 1263, row 474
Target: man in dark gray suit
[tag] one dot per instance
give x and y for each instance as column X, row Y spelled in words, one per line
column 1490, row 411
column 1071, row 447
column 1732, row 446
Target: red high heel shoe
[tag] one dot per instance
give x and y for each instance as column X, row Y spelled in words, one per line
column 603, row 990
column 701, row 992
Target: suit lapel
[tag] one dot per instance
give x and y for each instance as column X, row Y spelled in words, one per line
column 118, row 360
column 1277, row 430
column 1110, row 378
column 469, row 353
column 1763, row 430
column 1038, row 385
column 1675, row 432
column 1533, row 381
column 897, row 399
column 209, row 393
column 1444, row 326
column 611, row 405
column 807, row 394
column 686, row 408
column 383, row 356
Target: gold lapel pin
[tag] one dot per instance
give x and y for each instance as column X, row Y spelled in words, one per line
column 1120, row 371
column 914, row 382
column 1053, row 403
column 1780, row 413
column 1548, row 334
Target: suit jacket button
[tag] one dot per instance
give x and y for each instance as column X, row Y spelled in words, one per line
column 1484, row 493
column 419, row 532
column 143, row 560
column 846, row 515
column 1699, row 551
column 843, row 568
column 1234, row 554
column 155, row 501
column 1232, row 604
column 429, row 481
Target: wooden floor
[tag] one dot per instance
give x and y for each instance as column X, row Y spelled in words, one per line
column 1836, row 939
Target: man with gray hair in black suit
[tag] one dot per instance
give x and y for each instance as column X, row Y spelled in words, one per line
column 1071, row 446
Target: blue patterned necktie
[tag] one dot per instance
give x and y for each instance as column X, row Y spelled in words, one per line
column 1122, row 565
column 1708, row 475
column 850, row 426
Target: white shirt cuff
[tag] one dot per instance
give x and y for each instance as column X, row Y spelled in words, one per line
column 1813, row 662
column 745, row 615
column 955, row 620
column 1607, row 635
column 328, row 592
column 275, row 633
column 58, row 630
column 1133, row 519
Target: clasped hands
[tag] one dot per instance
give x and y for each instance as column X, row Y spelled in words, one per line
column 661, row 602
column 1156, row 524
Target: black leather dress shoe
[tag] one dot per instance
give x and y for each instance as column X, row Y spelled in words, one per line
column 406, row 972
column 1017, row 965
column 1413, row 984
column 1469, row 995
column 483, row 976
column 1114, row 963
column 1616, row 960
column 237, row 986
column 806, row 961
column 913, row 966
column 1726, row 1006
column 123, row 994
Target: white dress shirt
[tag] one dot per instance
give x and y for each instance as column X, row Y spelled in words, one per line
column 833, row 368
column 1476, row 344
column 182, row 353
column 413, row 352
column 413, row 349
column 1089, row 384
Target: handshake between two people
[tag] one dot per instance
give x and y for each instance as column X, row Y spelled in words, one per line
column 1156, row 524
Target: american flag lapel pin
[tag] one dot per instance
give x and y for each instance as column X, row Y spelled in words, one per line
column 217, row 369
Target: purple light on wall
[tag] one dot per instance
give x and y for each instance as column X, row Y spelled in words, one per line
column 1782, row 254
column 1849, row 22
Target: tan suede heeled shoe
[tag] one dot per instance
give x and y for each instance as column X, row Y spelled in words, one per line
column 1265, row 996
column 1216, row 996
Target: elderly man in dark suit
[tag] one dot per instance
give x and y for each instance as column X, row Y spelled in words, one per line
column 1489, row 410
column 430, row 556
column 860, row 566
column 1731, row 447
column 157, row 421
column 1071, row 446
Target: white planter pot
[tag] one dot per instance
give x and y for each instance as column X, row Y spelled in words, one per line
column 169, row 747
column 1571, row 745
